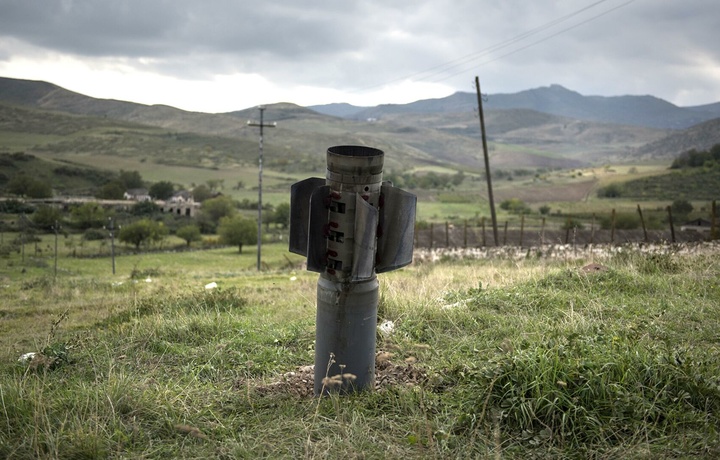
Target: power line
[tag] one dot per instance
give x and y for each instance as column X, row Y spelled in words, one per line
column 504, row 44
column 427, row 74
column 544, row 39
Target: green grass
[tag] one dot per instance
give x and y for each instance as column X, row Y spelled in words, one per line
column 517, row 359
column 690, row 184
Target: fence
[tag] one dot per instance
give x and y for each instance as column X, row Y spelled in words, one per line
column 518, row 233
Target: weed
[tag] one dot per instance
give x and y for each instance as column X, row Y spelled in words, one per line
column 138, row 274
column 42, row 282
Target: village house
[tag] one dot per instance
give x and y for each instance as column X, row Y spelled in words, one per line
column 137, row 194
column 697, row 225
column 180, row 203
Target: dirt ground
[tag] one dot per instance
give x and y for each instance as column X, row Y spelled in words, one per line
column 300, row 382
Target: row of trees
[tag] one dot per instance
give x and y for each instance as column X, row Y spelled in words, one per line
column 111, row 186
column 233, row 230
column 697, row 159
column 144, row 225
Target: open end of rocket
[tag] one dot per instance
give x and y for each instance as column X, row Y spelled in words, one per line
column 355, row 160
column 355, row 151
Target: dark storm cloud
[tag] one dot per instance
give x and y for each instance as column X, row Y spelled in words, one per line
column 163, row 28
column 605, row 47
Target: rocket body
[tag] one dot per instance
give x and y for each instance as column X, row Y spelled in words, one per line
column 349, row 226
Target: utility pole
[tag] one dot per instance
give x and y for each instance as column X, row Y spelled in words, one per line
column 261, row 125
column 487, row 162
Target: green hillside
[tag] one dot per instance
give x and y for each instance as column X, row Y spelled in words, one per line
column 56, row 133
column 64, row 177
column 692, row 176
column 690, row 184
column 60, row 129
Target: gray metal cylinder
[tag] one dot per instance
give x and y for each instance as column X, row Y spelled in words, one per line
column 353, row 167
column 345, row 335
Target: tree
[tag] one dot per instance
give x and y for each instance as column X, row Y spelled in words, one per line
column 201, row 193
column 681, row 209
column 143, row 231
column 45, row 217
column 610, row 191
column 216, row 208
column 162, row 190
column 237, row 230
column 458, row 178
column 130, row 179
column 281, row 216
column 144, row 208
column 189, row 233
column 88, row 215
column 515, row 206
column 113, row 190
column 24, row 185
column 215, row 185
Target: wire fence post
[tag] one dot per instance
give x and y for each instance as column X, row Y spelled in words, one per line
column 672, row 226
column 465, row 234
column 642, row 222
column 713, row 216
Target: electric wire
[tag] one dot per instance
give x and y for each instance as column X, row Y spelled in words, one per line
column 442, row 69
column 517, row 50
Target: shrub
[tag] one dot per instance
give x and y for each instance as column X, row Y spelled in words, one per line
column 623, row 221
column 94, row 234
column 571, row 223
column 681, row 208
column 189, row 233
column 515, row 206
column 610, row 191
column 143, row 231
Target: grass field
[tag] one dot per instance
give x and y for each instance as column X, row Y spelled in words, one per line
column 491, row 358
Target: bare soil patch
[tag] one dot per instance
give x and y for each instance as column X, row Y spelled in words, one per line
column 300, row 382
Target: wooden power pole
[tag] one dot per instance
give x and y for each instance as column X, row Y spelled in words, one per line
column 261, row 125
column 487, row 162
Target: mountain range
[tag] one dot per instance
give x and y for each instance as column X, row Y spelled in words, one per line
column 646, row 111
column 549, row 127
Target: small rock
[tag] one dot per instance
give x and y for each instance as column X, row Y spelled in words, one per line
column 26, row 357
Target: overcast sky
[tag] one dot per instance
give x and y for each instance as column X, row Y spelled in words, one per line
column 224, row 55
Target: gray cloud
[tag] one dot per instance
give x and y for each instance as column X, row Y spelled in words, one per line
column 646, row 47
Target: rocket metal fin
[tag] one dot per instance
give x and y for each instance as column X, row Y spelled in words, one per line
column 317, row 227
column 366, row 223
column 300, row 194
column 396, row 232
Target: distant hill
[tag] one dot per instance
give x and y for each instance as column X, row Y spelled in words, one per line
column 43, row 95
column 700, row 137
column 435, row 132
column 342, row 110
column 707, row 108
column 646, row 111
